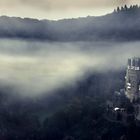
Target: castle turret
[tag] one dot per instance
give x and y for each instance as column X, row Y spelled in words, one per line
column 132, row 85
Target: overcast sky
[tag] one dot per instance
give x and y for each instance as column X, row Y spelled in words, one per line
column 58, row 9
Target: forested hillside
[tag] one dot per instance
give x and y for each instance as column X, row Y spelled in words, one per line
column 76, row 113
column 122, row 24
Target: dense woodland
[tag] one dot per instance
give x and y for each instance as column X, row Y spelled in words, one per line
column 74, row 113
column 132, row 8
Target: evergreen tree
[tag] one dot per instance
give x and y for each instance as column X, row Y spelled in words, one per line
column 122, row 8
column 125, row 7
column 118, row 9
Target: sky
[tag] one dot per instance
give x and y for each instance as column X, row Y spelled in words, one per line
column 59, row 9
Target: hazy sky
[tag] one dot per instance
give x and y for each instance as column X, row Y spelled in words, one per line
column 58, row 9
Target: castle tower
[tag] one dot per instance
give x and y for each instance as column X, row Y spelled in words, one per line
column 132, row 85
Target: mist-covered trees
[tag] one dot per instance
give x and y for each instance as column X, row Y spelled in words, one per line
column 76, row 113
column 122, row 24
column 131, row 8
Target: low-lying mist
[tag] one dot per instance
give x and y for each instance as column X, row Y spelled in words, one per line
column 33, row 68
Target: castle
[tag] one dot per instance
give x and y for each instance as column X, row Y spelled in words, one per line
column 132, row 79
column 125, row 105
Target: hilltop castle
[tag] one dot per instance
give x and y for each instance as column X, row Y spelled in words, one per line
column 132, row 83
column 120, row 108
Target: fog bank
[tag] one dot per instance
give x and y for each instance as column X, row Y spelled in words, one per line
column 33, row 67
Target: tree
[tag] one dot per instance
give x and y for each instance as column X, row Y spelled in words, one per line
column 122, row 8
column 118, row 9
column 125, row 7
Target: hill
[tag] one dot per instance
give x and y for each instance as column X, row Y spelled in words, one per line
column 77, row 113
column 122, row 24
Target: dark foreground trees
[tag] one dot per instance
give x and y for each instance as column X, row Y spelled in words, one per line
column 76, row 113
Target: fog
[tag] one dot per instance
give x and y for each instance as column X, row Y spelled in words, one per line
column 33, row 68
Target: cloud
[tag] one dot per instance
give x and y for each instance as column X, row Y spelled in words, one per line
column 70, row 3
column 41, row 4
column 33, row 67
column 64, row 4
column 54, row 9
